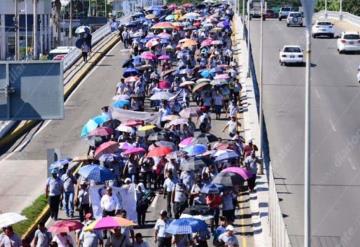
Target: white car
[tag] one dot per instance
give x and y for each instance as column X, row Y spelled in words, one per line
column 348, row 41
column 323, row 28
column 291, row 54
column 294, row 19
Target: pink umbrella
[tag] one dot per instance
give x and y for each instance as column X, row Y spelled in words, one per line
column 186, row 142
column 125, row 145
column 105, row 148
column 134, row 122
column 65, row 226
column 164, row 35
column 164, row 84
column 101, row 131
column 245, row 174
column 222, row 77
column 134, row 150
column 152, row 42
column 164, row 57
column 148, row 55
column 206, row 42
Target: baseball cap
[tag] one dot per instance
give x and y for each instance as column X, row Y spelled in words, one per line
column 230, row 228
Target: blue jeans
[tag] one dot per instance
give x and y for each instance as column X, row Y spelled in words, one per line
column 69, row 203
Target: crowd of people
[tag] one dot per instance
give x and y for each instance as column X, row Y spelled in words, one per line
column 182, row 68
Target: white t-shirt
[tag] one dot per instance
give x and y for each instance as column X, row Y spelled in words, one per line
column 229, row 241
column 63, row 241
column 232, row 125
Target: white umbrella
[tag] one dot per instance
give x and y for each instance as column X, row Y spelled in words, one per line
column 8, row 219
column 199, row 217
column 124, row 128
column 82, row 29
column 161, row 96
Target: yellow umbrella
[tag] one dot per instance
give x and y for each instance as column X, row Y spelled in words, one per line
column 146, row 127
column 188, row 43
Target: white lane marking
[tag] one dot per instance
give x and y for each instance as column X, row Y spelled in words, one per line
column 332, row 125
column 67, row 100
column 317, row 93
column 351, row 164
column 153, row 204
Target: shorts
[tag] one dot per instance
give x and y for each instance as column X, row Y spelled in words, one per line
column 218, row 109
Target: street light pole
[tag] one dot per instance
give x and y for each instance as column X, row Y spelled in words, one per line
column 243, row 18
column 35, row 27
column 326, row 13
column 248, row 36
column 340, row 10
column 261, row 116
column 26, row 31
column 70, row 22
column 17, row 33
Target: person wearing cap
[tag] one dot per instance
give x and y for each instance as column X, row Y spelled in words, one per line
column 228, row 237
column 53, row 191
column 109, row 203
column 83, row 200
column 162, row 238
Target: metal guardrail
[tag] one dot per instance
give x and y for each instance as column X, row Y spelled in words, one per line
column 345, row 16
column 279, row 234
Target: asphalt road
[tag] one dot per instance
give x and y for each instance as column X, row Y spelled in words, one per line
column 335, row 134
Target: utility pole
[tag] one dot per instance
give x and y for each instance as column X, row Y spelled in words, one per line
column 106, row 9
column 261, row 91
column 248, row 36
column 70, row 22
column 340, row 10
column 17, row 33
column 35, row 27
column 326, row 13
column 243, row 18
column 26, row 31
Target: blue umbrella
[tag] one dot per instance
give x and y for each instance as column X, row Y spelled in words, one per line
column 211, row 189
column 96, row 173
column 59, row 164
column 164, row 41
column 205, row 73
column 130, row 72
column 93, row 124
column 195, row 149
column 108, row 157
column 186, row 226
column 227, row 156
column 121, row 103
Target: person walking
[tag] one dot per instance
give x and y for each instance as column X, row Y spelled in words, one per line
column 109, row 203
column 83, row 200
column 251, row 163
column 179, row 198
column 42, row 237
column 162, row 238
column 169, row 186
column 69, row 189
column 232, row 126
column 10, row 238
column 85, row 51
column 53, row 191
column 228, row 238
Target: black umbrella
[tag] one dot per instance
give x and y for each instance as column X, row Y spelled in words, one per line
column 228, row 179
column 113, row 123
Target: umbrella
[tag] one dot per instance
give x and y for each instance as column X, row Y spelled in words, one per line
column 192, row 164
column 146, row 127
column 229, row 154
column 65, row 226
column 197, row 210
column 228, row 179
column 108, row 157
column 131, row 79
column 148, row 55
column 189, row 112
column 164, row 57
column 163, row 25
column 150, row 16
column 166, row 144
column 93, row 124
column 216, row 30
column 199, row 86
column 210, row 189
column 157, row 136
column 195, row 149
column 206, row 73
column 59, row 164
column 218, row 82
column 188, row 43
column 121, row 97
column 203, row 80
column 179, row 121
column 161, row 96
column 164, row 35
column 170, row 17
column 124, row 128
column 97, row 173
column 8, row 219
column 186, row 142
column 151, row 43
column 186, row 83
column 186, row 226
column 106, row 147
column 198, row 217
column 82, row 29
column 125, row 145
column 222, row 77
column 159, row 151
column 134, row 122
column 130, row 72
column 243, row 172
column 134, row 150
column 164, row 84
column 101, row 131
column 187, row 5
column 191, row 15
column 109, row 222
column 121, row 103
column 170, row 117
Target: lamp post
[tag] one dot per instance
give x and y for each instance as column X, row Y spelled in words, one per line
column 340, row 10
column 35, row 27
column 248, row 36
column 243, row 18
column 70, row 23
column 261, row 94
column 326, row 13
column 26, row 31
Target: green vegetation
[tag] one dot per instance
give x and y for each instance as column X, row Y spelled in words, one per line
column 351, row 6
column 32, row 213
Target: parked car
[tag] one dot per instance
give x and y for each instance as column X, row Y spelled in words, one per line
column 271, row 14
column 348, row 41
column 291, row 54
column 323, row 28
column 294, row 19
column 284, row 12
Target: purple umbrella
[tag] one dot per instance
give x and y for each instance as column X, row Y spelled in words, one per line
column 245, row 174
column 164, row 57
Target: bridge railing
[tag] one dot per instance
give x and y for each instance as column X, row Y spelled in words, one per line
column 345, row 16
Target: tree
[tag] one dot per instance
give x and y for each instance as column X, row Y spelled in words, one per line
column 351, row 6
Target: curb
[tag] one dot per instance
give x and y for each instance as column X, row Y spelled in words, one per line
column 27, row 125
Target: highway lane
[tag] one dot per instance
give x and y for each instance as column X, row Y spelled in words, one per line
column 23, row 173
column 335, row 133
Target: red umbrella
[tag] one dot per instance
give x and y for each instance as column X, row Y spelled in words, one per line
column 159, row 151
column 163, row 25
column 65, row 226
column 135, row 150
column 105, row 148
column 164, row 84
column 134, row 122
column 101, row 131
